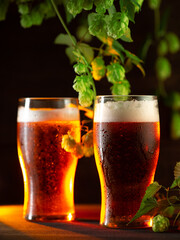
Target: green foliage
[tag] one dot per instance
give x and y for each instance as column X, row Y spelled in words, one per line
column 4, row 4
column 122, row 88
column 98, row 68
column 173, row 42
column 162, row 48
column 160, row 223
column 163, row 207
column 86, row 97
column 102, row 5
column 117, row 25
column 154, row 4
column 97, row 25
column 75, row 6
column 163, row 68
column 175, row 125
column 115, row 72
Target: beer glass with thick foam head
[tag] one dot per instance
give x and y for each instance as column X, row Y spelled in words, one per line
column 126, row 144
column 48, row 170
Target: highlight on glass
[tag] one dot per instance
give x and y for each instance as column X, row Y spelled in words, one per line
column 48, row 170
column 126, row 144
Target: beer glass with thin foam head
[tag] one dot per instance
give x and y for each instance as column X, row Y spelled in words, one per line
column 48, row 170
column 126, row 144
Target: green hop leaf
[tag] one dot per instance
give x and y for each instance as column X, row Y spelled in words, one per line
column 97, row 25
column 75, row 6
column 103, row 5
column 154, row 4
column 98, row 68
column 173, row 42
column 162, row 48
column 117, row 25
column 81, row 83
column 36, row 16
column 148, row 202
column 176, row 183
column 86, row 97
column 137, row 4
column 163, row 68
column 80, row 68
column 160, row 223
column 23, row 8
column 115, row 73
column 129, row 8
column 122, row 88
column 169, row 211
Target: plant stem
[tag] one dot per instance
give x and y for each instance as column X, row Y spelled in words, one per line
column 62, row 22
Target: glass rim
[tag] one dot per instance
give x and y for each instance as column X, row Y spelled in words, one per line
column 128, row 96
column 46, row 98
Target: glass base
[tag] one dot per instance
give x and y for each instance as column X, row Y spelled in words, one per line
column 123, row 222
column 50, row 218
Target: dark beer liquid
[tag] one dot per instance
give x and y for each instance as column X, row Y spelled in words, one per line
column 48, row 170
column 126, row 157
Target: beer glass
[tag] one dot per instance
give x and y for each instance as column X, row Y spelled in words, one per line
column 126, row 145
column 48, row 170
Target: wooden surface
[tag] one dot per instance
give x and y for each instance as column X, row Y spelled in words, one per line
column 14, row 227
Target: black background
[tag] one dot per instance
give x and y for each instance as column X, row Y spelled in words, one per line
column 32, row 65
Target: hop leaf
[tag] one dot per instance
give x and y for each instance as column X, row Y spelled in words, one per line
column 122, row 88
column 163, row 68
column 160, row 223
column 26, row 21
column 154, row 4
column 115, row 72
column 173, row 42
column 177, row 170
column 75, row 6
column 117, row 25
column 137, row 4
column 86, row 97
column 98, row 68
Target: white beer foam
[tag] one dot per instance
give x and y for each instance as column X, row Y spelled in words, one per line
column 127, row 111
column 47, row 114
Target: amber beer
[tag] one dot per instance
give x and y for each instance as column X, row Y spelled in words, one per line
column 48, row 170
column 126, row 150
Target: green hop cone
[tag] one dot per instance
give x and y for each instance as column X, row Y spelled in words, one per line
column 78, row 150
column 154, row 4
column 173, row 42
column 74, row 6
column 122, row 88
column 26, row 21
column 160, row 223
column 80, row 68
column 117, row 25
column 115, row 72
column 81, row 83
column 86, row 97
column 98, row 68
column 68, row 143
column 88, row 151
column 163, row 68
column 162, row 48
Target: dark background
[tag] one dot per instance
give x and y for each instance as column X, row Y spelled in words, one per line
column 32, row 66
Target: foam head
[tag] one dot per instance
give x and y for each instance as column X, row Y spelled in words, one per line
column 127, row 111
column 47, row 114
